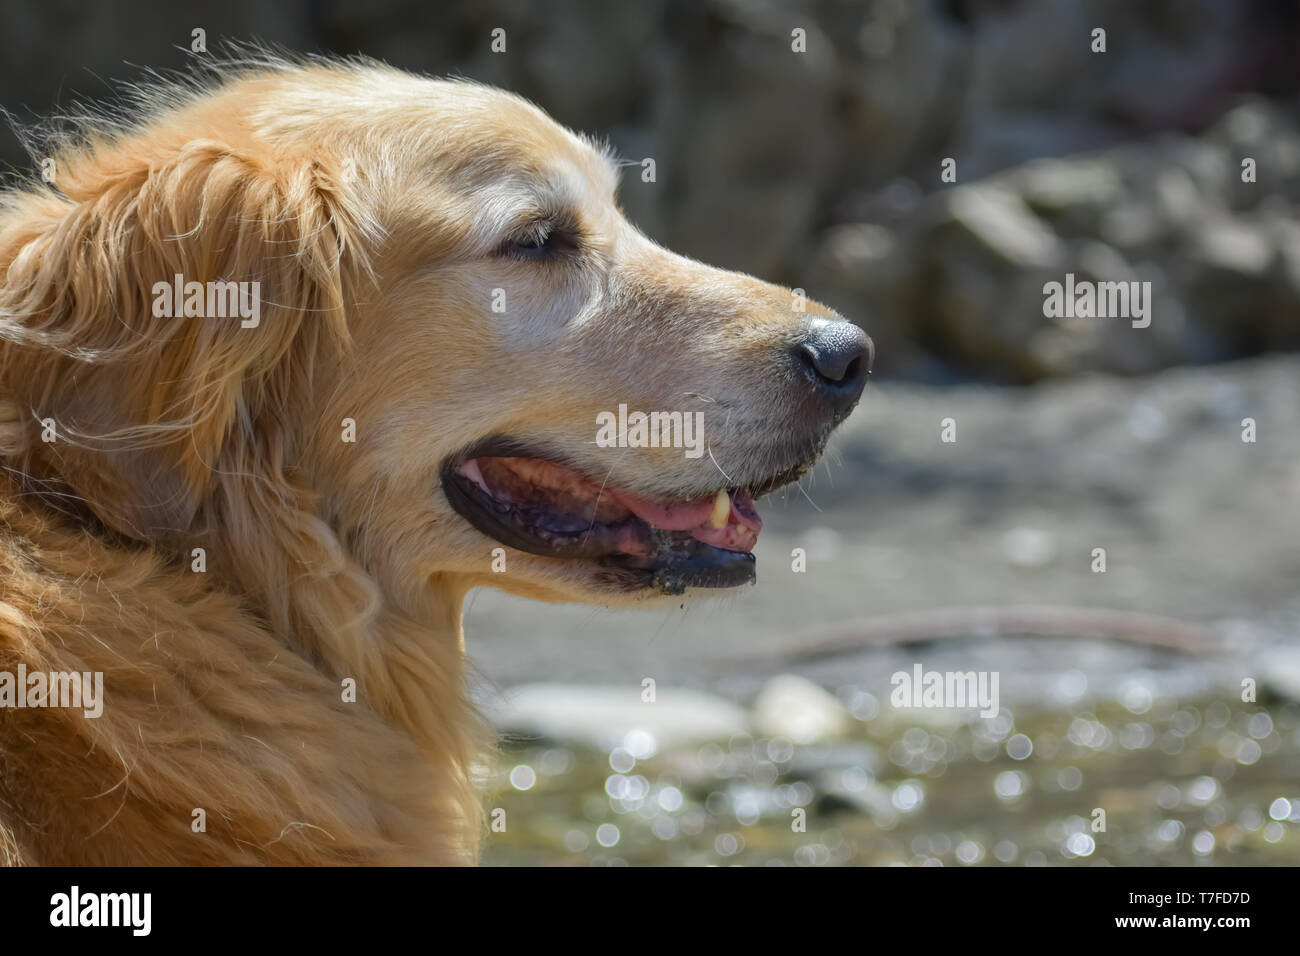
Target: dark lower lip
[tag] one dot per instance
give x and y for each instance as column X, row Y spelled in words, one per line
column 700, row 566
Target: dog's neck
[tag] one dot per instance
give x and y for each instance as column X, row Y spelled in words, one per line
column 404, row 662
column 292, row 567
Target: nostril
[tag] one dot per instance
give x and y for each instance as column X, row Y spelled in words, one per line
column 823, row 364
column 838, row 353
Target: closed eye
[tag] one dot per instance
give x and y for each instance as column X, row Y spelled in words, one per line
column 542, row 239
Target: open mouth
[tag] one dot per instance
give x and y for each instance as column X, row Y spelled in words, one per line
column 540, row 506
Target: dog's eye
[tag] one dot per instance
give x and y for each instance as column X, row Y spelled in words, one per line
column 541, row 240
column 535, row 242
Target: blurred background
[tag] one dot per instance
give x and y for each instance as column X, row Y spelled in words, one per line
column 766, row 733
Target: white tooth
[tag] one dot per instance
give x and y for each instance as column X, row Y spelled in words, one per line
column 721, row 510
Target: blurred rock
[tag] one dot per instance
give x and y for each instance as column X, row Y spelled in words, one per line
column 798, row 710
column 835, row 758
column 963, row 279
column 1282, row 673
column 603, row 716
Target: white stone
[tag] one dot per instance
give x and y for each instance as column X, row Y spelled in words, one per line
column 603, row 716
column 795, row 708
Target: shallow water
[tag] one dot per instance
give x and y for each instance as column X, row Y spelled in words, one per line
column 1210, row 781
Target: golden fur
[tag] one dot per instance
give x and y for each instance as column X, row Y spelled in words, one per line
column 367, row 203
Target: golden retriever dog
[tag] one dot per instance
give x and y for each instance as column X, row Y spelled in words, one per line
column 256, row 521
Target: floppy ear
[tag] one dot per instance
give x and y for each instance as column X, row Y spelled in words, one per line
column 143, row 402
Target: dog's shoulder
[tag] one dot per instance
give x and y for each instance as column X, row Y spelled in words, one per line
column 201, row 738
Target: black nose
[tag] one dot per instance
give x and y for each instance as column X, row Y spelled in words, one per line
column 837, row 356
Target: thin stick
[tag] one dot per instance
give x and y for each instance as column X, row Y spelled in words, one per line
column 1024, row 620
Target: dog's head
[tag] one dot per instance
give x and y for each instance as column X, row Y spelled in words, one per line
column 464, row 359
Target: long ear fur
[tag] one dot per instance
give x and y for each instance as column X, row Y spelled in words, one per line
column 143, row 405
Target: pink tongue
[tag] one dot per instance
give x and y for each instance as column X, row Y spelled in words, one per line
column 670, row 516
column 740, row 533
